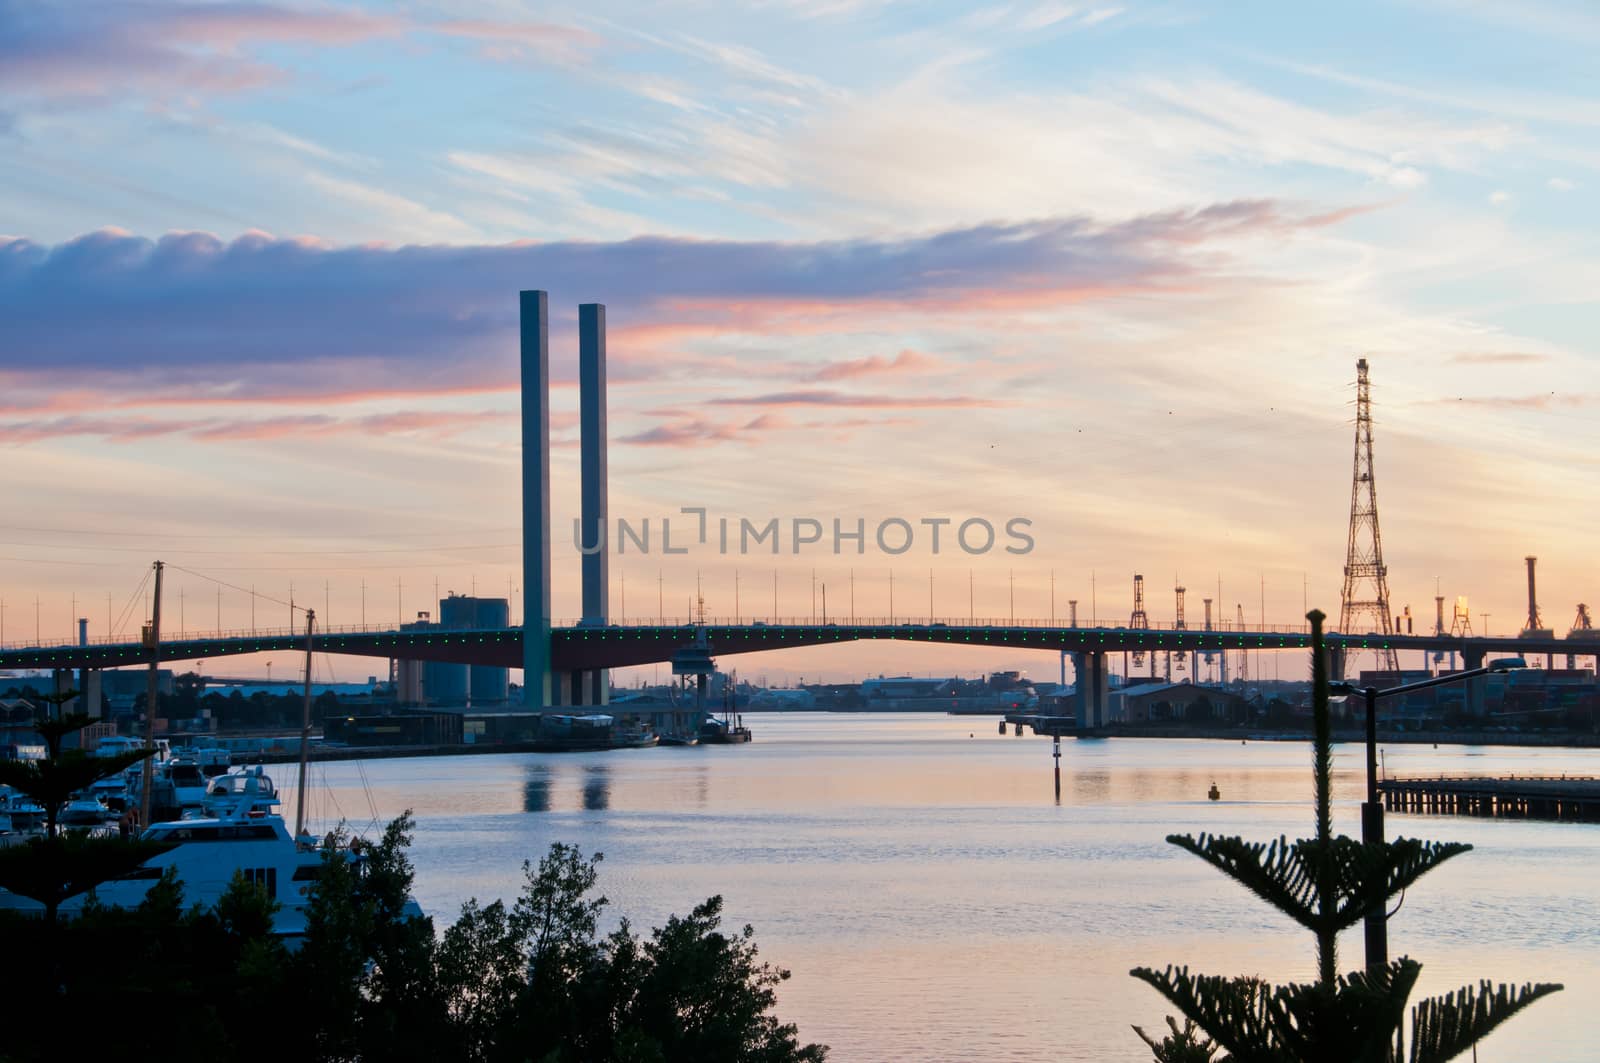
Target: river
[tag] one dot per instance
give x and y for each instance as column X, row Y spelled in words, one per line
column 935, row 902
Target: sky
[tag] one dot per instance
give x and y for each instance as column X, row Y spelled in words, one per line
column 1106, row 268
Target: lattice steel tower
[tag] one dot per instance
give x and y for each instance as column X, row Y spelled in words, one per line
column 1366, row 578
column 1139, row 621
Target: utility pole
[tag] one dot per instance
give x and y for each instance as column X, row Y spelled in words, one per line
column 1244, row 654
column 152, row 641
column 891, row 596
column 1366, row 578
column 305, row 732
column 972, row 612
column 930, row 595
column 736, row 596
column 1011, row 578
column 852, row 596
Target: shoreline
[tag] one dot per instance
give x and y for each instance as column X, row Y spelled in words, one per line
column 1347, row 737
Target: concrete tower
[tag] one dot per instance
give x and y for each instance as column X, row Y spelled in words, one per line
column 593, row 688
column 535, row 319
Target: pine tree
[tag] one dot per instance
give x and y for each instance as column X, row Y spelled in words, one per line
column 1326, row 884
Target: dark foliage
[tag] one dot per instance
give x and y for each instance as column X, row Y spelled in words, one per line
column 530, row 981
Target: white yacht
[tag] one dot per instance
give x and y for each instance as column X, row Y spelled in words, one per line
column 237, row 828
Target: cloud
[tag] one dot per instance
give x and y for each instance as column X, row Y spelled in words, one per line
column 431, row 424
column 1561, row 184
column 840, row 398
column 1499, row 358
column 875, row 364
column 190, row 314
column 1520, row 402
column 1500, row 197
column 92, row 48
column 512, row 41
column 691, row 431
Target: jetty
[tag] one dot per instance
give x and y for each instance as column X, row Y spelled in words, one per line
column 1522, row 797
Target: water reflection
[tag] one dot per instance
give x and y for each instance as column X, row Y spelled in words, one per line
column 536, row 789
column 596, row 787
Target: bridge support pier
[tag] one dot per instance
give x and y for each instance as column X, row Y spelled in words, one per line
column 1092, row 678
column 1474, row 687
column 593, row 687
column 535, row 372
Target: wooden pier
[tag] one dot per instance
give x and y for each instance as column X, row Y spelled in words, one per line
column 1528, row 797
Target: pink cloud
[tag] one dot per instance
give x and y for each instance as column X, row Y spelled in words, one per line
column 840, row 398
column 1520, row 402
column 877, row 363
column 433, row 424
column 94, row 48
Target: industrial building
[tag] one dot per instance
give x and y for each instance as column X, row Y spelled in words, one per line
column 440, row 684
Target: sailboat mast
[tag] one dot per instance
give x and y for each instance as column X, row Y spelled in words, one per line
column 305, row 733
column 152, row 639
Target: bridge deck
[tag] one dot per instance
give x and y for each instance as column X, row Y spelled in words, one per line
column 577, row 647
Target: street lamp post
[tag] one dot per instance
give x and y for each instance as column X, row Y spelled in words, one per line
column 1377, row 922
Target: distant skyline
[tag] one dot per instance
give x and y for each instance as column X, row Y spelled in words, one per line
column 1105, row 266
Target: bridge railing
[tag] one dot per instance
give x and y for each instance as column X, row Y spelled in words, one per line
column 128, row 638
column 904, row 620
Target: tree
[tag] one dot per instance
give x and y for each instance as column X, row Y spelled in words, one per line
column 1327, row 884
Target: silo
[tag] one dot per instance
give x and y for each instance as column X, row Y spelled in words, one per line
column 490, row 685
column 446, row 684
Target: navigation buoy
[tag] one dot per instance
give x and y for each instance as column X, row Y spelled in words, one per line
column 1214, row 793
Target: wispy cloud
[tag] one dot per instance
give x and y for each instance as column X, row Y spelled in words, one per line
column 1499, row 358
column 431, row 424
column 1546, row 401
column 840, row 398
column 875, row 364
column 508, row 41
column 91, row 48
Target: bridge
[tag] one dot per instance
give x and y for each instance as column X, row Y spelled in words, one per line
column 579, row 648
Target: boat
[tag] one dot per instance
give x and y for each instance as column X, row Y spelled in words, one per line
column 251, row 787
column 677, row 740
column 730, row 730
column 85, row 812
column 236, row 828
column 715, row 732
column 213, row 760
column 188, row 784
